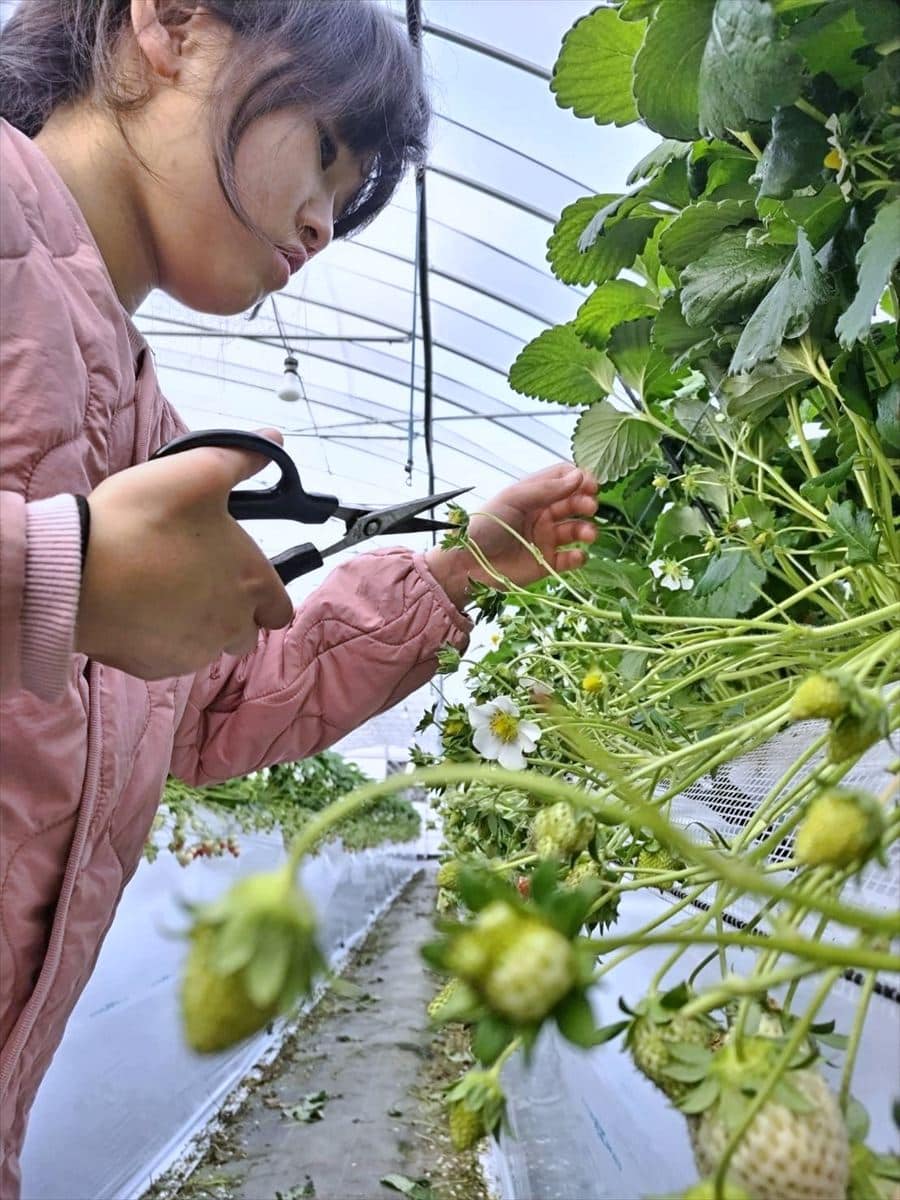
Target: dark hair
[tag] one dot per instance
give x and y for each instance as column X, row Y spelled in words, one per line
column 347, row 63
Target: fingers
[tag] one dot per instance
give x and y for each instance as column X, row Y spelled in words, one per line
column 274, row 609
column 574, row 504
column 570, row 560
column 574, row 531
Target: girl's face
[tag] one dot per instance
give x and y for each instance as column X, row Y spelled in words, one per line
column 293, row 179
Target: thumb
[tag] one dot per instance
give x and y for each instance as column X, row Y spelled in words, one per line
column 234, row 466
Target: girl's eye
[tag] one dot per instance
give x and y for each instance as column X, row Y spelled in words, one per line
column 327, row 149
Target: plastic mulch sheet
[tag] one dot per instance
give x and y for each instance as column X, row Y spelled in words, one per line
column 124, row 1093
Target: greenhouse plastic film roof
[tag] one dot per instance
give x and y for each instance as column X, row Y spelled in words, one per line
column 504, row 162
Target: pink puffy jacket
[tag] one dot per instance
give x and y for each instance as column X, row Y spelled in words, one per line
column 86, row 749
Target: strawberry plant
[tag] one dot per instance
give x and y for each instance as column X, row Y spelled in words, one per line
column 208, row 822
column 735, row 365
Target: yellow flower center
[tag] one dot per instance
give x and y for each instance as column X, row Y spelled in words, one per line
column 505, row 726
column 594, row 681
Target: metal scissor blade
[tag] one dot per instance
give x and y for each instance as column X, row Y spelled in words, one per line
column 363, row 522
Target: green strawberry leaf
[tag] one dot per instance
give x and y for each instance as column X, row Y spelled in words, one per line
column 307, row 1109
column 700, row 1098
column 676, row 997
column 693, row 231
column 543, row 884
column 685, row 1073
column 747, row 69
column 668, row 150
column 559, row 367
column 676, row 523
column 687, row 1052
column 887, row 422
column 492, row 1036
column 856, row 530
column 830, row 39
column 828, row 481
column 820, row 215
column 415, row 1189
column 478, row 888
column 731, row 582
column 616, row 247
column 592, row 75
column 637, row 10
column 642, row 367
column 610, row 442
column 759, row 392
column 786, row 311
column 723, row 283
column 672, row 334
column 793, row 155
column 575, row 1020
column 857, row 1120
column 267, row 971
column 875, row 261
column 667, row 67
column 608, row 305
column 566, row 910
column 607, row 1033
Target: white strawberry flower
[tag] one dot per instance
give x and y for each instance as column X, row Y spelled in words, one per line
column 671, row 574
column 500, row 735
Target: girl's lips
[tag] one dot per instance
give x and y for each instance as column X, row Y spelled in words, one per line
column 295, row 259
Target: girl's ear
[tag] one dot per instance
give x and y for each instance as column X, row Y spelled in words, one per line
column 160, row 44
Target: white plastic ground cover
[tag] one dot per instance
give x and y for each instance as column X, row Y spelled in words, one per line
column 124, row 1095
column 586, row 1125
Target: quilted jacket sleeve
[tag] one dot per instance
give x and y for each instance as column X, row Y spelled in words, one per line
column 365, row 639
column 40, row 541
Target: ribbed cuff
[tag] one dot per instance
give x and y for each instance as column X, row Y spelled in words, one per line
column 52, row 587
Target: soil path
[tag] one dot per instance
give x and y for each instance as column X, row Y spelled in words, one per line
column 372, row 1070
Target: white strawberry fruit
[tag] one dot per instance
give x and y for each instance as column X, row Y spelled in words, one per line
column 784, row 1154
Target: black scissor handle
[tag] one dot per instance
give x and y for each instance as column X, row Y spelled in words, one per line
column 286, row 500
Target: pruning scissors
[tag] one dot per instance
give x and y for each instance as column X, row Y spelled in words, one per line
column 287, row 501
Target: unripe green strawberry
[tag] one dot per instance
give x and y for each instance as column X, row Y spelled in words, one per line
column 852, row 735
column 453, row 1002
column 474, row 949
column 840, row 828
column 532, row 975
column 466, row 1126
column 448, row 874
column 443, row 998
column 784, row 1154
column 650, row 1042
column 658, row 860
column 583, row 872
column 823, row 696
column 559, row 832
column 253, row 952
column 216, row 1010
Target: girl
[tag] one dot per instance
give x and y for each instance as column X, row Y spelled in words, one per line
column 209, row 148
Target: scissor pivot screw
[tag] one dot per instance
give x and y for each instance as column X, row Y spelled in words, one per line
column 370, row 529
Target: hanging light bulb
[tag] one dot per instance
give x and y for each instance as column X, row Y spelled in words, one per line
column 291, row 389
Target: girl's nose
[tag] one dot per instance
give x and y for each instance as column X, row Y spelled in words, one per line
column 317, row 225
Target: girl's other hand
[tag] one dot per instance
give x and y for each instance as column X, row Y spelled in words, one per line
column 171, row 580
column 549, row 509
